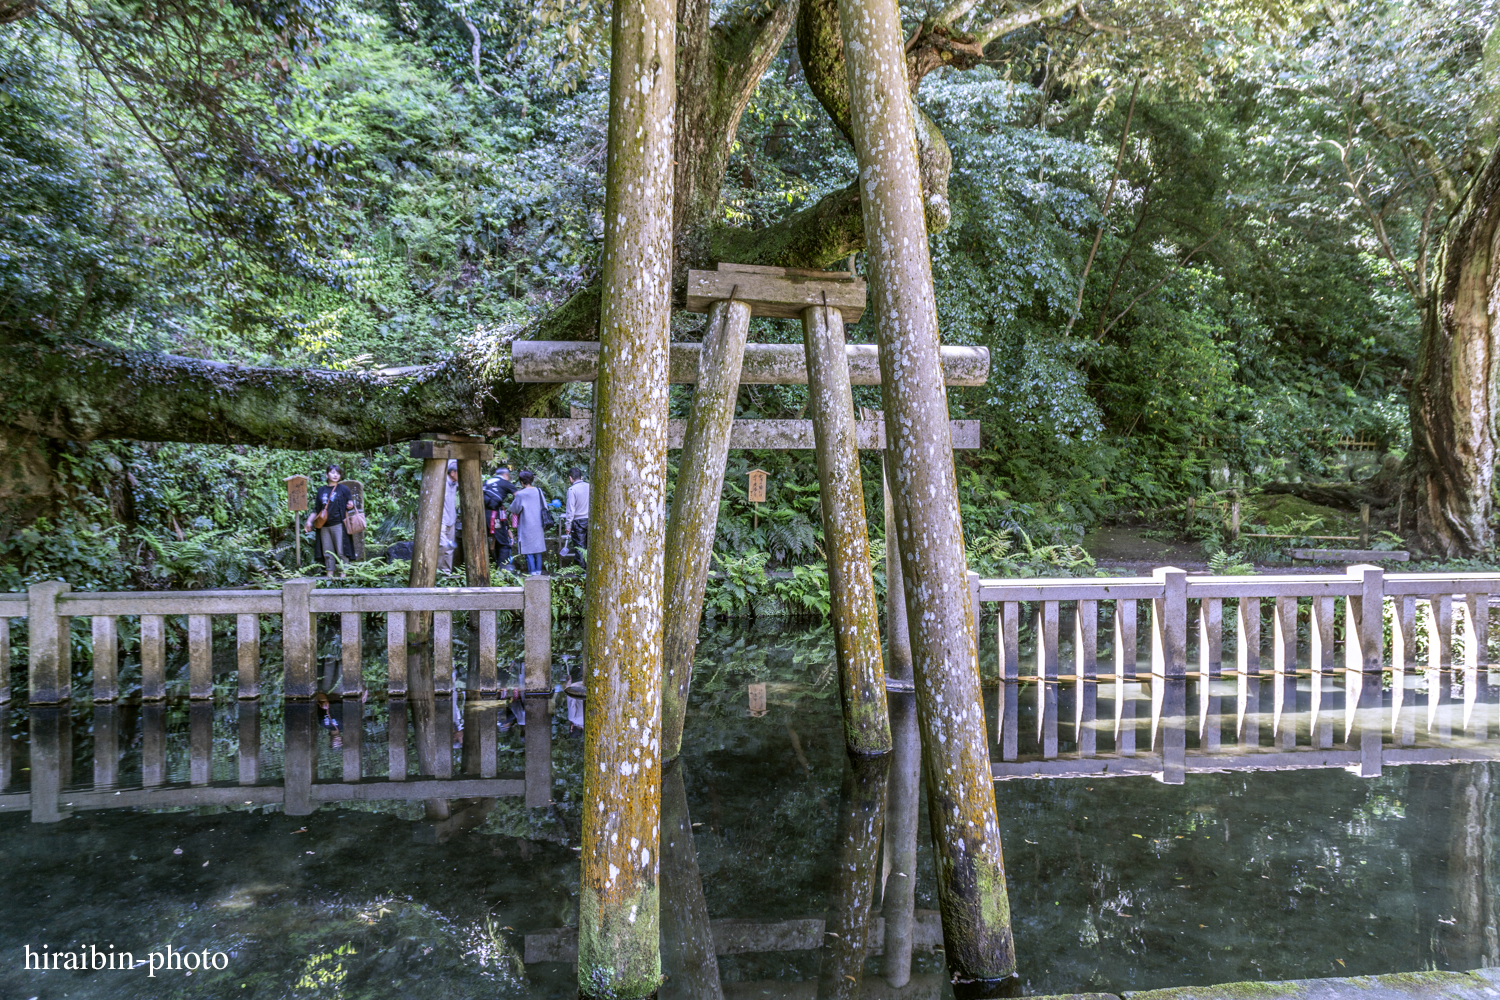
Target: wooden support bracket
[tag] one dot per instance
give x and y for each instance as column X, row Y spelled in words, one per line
column 473, row 450
column 777, row 291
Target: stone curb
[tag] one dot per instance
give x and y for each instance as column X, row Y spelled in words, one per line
column 1481, row 984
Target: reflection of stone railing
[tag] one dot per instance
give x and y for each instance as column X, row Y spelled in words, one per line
column 49, row 608
column 1250, row 714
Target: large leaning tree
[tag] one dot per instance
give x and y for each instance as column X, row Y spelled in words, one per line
column 200, row 84
column 1454, row 408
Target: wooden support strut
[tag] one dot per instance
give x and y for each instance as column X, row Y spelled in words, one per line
column 695, row 508
column 856, row 618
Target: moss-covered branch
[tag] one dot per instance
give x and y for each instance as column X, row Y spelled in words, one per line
column 86, row 390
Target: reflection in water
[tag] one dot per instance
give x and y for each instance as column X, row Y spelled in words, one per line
column 1471, row 939
column 1116, row 884
column 687, row 954
column 899, row 870
column 846, row 934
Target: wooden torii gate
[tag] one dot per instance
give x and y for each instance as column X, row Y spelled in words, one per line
column 730, row 296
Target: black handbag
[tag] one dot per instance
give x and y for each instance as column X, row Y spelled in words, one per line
column 548, row 521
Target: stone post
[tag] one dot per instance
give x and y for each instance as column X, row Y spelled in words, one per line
column 856, row 618
column 695, row 508
column 970, row 865
column 619, row 954
column 49, row 665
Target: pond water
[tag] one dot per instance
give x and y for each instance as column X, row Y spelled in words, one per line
column 1114, row 884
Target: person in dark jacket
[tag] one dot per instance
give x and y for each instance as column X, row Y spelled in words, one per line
column 498, row 491
column 333, row 544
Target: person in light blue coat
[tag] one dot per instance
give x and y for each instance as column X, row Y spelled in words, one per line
column 531, row 534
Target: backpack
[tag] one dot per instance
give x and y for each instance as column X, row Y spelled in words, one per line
column 493, row 497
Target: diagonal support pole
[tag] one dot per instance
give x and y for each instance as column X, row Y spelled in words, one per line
column 695, row 509
column 856, row 618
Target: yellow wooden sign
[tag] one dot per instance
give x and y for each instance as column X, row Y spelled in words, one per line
column 757, row 486
column 296, row 492
column 757, row 699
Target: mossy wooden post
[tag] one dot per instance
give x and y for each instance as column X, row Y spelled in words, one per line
column 856, row 616
column 897, row 639
column 476, row 574
column 424, row 559
column 619, row 954
column 695, row 508
column 970, row 866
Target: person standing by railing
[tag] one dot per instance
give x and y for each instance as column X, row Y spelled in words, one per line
column 530, row 506
column 576, row 514
column 332, row 543
column 448, row 541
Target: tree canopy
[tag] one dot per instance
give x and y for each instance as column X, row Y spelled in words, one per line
column 1197, row 240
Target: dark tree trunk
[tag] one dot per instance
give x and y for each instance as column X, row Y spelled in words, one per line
column 1453, row 396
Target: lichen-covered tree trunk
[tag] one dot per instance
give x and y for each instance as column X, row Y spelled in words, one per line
column 851, row 585
column 619, row 952
column 960, row 790
column 1453, row 395
column 695, row 509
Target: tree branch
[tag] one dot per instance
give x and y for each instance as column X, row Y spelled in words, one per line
column 1376, row 223
column 1023, row 18
column 474, row 34
column 85, row 390
column 1109, row 199
column 1419, row 147
column 1161, row 281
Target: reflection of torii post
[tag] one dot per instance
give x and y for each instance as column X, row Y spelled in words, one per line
column 730, row 296
column 433, row 753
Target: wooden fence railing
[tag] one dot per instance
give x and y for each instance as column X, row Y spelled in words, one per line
column 49, row 607
column 1256, row 711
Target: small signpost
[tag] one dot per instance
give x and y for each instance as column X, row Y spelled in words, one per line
column 757, row 699
column 296, row 501
column 757, row 491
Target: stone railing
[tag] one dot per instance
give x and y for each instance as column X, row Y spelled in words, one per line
column 49, row 608
column 1256, row 711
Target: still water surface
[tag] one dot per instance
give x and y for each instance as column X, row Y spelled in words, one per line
column 1115, row 884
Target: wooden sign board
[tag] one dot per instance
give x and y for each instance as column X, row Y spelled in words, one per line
column 757, row 699
column 296, row 492
column 757, row 486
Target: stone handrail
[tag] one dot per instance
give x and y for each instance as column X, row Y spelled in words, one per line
column 1369, row 596
column 49, row 606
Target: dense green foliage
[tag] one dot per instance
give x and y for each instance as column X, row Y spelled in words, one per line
column 326, row 186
